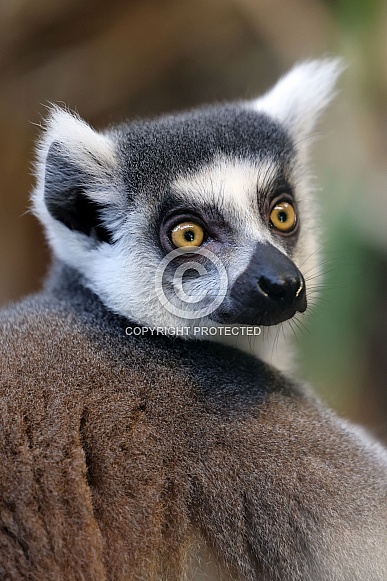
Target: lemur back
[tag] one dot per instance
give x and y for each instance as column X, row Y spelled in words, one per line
column 129, row 454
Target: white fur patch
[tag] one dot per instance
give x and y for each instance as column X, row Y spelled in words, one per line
column 233, row 186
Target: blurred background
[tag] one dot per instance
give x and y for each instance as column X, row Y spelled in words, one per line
column 129, row 58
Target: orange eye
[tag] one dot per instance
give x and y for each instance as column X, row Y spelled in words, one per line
column 283, row 217
column 187, row 234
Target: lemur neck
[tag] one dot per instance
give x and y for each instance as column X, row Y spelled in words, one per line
column 62, row 278
column 68, row 286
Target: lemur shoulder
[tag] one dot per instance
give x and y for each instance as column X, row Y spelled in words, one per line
column 149, row 457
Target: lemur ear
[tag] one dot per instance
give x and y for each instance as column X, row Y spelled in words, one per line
column 75, row 174
column 299, row 98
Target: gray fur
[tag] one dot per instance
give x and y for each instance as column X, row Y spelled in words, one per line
column 153, row 152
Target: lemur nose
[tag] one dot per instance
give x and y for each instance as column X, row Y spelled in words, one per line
column 269, row 291
column 283, row 289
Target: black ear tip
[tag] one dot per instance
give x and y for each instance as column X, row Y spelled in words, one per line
column 64, row 194
column 79, row 213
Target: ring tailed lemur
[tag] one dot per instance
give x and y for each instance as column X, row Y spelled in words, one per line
column 131, row 455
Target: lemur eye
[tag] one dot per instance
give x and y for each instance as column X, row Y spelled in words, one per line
column 283, row 216
column 187, row 234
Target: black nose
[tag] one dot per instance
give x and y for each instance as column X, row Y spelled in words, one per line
column 269, row 291
column 285, row 289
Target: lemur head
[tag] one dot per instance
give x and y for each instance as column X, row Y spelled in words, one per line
column 197, row 218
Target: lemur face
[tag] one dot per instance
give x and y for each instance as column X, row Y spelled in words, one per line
column 191, row 219
column 220, row 180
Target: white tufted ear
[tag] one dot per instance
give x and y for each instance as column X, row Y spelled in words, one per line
column 76, row 179
column 77, row 196
column 299, row 98
column 79, row 144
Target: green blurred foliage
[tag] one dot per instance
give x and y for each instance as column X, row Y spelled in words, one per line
column 355, row 16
